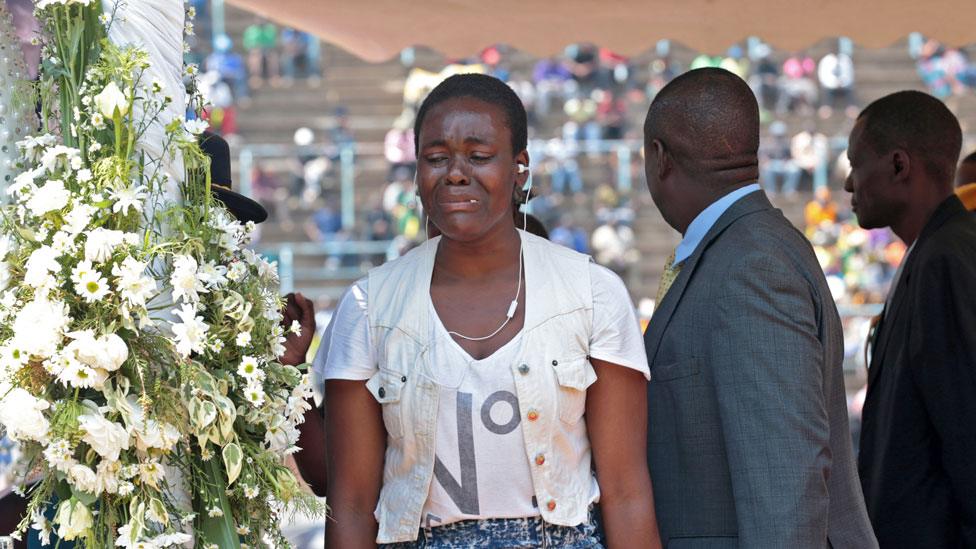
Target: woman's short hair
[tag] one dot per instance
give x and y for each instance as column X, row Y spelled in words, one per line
column 483, row 88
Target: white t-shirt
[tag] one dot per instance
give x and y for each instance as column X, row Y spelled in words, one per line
column 480, row 468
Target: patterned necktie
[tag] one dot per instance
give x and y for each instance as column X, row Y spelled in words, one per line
column 667, row 279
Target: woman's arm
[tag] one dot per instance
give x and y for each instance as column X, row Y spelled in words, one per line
column 616, row 421
column 356, row 442
column 311, row 460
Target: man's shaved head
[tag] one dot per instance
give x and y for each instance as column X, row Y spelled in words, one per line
column 918, row 123
column 708, row 120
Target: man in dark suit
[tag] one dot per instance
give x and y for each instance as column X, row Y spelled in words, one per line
column 749, row 443
column 918, row 438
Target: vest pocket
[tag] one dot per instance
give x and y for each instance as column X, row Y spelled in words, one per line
column 573, row 376
column 386, row 387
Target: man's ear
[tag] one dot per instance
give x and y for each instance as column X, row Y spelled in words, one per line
column 901, row 164
column 665, row 163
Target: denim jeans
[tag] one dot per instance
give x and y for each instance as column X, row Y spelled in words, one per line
column 786, row 169
column 567, row 175
column 532, row 532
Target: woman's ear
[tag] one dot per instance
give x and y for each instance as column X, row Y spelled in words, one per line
column 522, row 168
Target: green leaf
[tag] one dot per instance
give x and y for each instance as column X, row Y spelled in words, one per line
column 233, row 461
column 159, row 510
column 217, row 530
column 209, row 414
column 202, row 413
column 85, row 497
column 137, row 512
column 225, row 430
column 226, row 407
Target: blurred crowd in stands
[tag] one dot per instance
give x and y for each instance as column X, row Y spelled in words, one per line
column 267, row 55
column 585, row 107
column 947, row 72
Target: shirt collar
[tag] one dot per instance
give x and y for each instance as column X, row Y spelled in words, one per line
column 706, row 219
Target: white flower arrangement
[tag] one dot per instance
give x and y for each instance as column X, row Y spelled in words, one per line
column 138, row 337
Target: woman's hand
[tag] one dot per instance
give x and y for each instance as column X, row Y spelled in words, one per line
column 616, row 421
column 297, row 307
column 356, row 439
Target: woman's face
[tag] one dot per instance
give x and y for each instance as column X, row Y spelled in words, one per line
column 465, row 170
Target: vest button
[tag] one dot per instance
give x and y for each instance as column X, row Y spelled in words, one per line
column 555, row 363
column 532, row 415
column 523, row 369
column 539, row 460
column 551, row 505
column 381, row 392
column 403, row 379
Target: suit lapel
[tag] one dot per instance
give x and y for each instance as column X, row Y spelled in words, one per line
column 950, row 208
column 746, row 205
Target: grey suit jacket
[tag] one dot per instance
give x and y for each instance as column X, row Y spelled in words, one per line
column 749, row 443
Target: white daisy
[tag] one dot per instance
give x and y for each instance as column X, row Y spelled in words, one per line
column 196, row 126
column 98, row 121
column 217, row 345
column 295, row 328
column 82, row 269
column 254, row 394
column 243, row 339
column 92, row 286
column 126, row 488
column 249, row 369
column 77, row 375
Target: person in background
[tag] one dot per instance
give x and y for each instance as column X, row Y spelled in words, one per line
column 340, row 132
column 261, row 44
column 776, row 161
column 809, row 149
column 798, row 92
column 821, row 210
column 966, row 181
column 749, row 443
column 552, row 81
column 398, row 145
column 295, row 62
column 735, row 62
column 613, row 244
column 836, row 74
column 917, row 435
column 567, row 233
column 230, row 66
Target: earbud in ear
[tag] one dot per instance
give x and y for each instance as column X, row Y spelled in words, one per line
column 522, row 168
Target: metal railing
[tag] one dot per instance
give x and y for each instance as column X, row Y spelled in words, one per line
column 287, row 254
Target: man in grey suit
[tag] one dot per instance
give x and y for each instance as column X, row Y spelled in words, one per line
column 749, row 443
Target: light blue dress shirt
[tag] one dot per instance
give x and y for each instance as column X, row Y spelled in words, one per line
column 706, row 219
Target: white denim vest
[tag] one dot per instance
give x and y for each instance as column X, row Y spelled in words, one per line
column 551, row 376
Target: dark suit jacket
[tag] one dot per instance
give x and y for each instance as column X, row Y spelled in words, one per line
column 918, row 438
column 749, row 443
